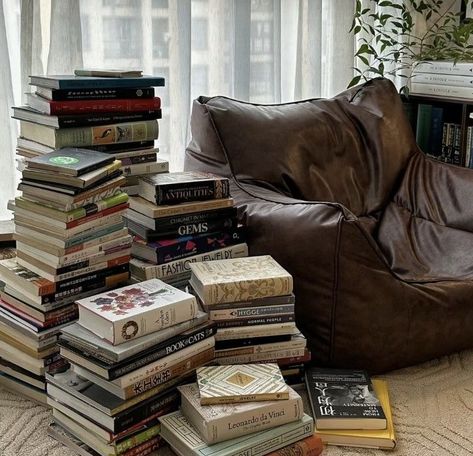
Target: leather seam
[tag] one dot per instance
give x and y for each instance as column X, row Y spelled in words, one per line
column 336, row 262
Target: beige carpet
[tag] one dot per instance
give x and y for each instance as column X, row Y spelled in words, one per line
column 432, row 407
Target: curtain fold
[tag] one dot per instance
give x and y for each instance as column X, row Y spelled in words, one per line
column 263, row 51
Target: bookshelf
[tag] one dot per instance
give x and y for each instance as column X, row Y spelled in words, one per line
column 443, row 113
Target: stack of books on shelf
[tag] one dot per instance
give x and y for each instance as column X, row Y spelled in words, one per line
column 181, row 218
column 349, row 409
column 127, row 352
column 251, row 301
column 71, row 243
column 443, row 79
column 235, row 410
column 116, row 115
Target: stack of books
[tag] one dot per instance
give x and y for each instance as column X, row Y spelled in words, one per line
column 71, row 243
column 349, row 409
column 234, row 409
column 181, row 218
column 128, row 351
column 251, row 301
column 117, row 115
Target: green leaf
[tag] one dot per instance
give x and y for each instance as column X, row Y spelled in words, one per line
column 357, row 29
column 354, row 81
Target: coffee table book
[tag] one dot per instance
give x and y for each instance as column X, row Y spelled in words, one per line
column 241, row 383
column 241, row 279
column 344, row 399
column 136, row 310
column 185, row 440
column 218, row 423
column 376, row 438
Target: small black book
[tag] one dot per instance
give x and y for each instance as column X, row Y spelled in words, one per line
column 344, row 399
column 72, row 161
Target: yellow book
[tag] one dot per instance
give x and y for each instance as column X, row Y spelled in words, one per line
column 379, row 438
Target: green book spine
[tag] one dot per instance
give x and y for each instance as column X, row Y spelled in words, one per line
column 138, row 439
column 424, row 120
column 90, row 209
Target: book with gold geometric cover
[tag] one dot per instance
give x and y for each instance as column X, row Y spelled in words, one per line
column 240, row 279
column 241, row 383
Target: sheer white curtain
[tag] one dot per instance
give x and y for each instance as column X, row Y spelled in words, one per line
column 263, row 51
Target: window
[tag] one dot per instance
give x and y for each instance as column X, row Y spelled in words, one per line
column 122, row 37
column 161, row 37
column 200, row 78
column 160, row 4
column 200, row 40
column 262, row 78
column 261, row 37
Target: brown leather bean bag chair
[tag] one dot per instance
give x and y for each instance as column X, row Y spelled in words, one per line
column 377, row 236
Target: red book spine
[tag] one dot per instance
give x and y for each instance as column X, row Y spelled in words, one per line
column 104, row 106
column 97, row 215
column 311, row 446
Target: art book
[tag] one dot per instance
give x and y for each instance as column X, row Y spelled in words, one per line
column 241, row 383
column 136, row 310
column 240, row 279
column 344, row 399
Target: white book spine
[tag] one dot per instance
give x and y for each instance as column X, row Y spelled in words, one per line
column 468, row 147
column 242, row 332
column 164, row 363
column 442, row 90
column 442, row 79
column 262, row 348
column 259, row 357
column 444, row 67
column 219, row 429
column 161, row 166
column 247, row 312
column 173, row 268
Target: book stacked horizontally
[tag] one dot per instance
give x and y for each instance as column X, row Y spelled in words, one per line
column 71, row 242
column 251, row 301
column 234, row 409
column 349, row 409
column 117, row 115
column 128, row 351
column 181, row 218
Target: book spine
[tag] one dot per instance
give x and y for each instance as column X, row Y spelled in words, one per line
column 445, row 68
column 92, row 233
column 443, row 151
column 145, row 448
column 181, row 369
column 104, row 83
column 442, row 90
column 81, row 120
column 122, row 147
column 442, row 79
column 450, row 143
column 97, row 216
column 262, row 348
column 203, row 206
column 259, row 357
column 105, row 93
column 153, row 320
column 172, row 346
column 157, row 367
column 95, row 242
column 181, row 267
column 192, row 191
column 435, row 140
column 60, row 320
column 146, row 168
column 456, row 159
column 137, row 439
column 424, row 120
column 107, row 134
column 470, row 163
column 263, row 302
column 310, row 446
column 256, row 331
column 249, row 312
column 97, row 207
column 255, row 321
column 91, row 107
column 468, row 147
column 128, row 419
column 138, row 159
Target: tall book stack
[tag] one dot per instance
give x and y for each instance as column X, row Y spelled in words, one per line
column 71, row 243
column 251, row 301
column 128, row 351
column 233, row 410
column 116, row 115
column 181, row 218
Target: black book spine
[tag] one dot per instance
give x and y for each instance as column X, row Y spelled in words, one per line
column 167, row 402
column 238, row 343
column 91, row 120
column 178, row 221
column 120, row 147
column 180, row 192
column 254, row 321
column 148, row 158
column 171, row 346
column 99, row 94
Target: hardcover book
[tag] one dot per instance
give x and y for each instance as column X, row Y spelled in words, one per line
column 240, row 279
column 72, row 161
column 344, row 399
column 69, row 81
column 310, row 446
column 175, row 188
column 136, row 310
column 186, row 441
column 241, row 383
column 94, row 94
column 375, row 438
column 217, row 423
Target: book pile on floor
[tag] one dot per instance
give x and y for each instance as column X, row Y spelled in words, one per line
column 251, row 301
column 116, row 115
column 71, row 243
column 233, row 410
column 181, row 218
column 128, row 351
column 349, row 409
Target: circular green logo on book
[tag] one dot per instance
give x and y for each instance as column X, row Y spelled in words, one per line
column 61, row 160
